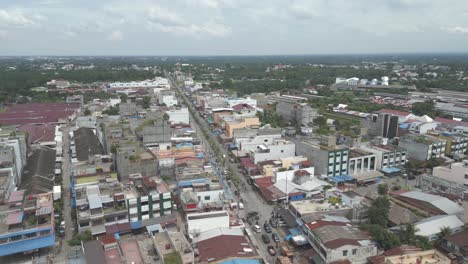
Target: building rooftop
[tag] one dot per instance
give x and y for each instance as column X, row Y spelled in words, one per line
column 432, row 225
column 38, row 174
column 441, row 203
column 86, row 144
column 23, row 212
column 335, row 236
column 355, row 153
column 224, row 247
column 37, row 113
column 428, row 256
column 39, row 133
column 309, row 206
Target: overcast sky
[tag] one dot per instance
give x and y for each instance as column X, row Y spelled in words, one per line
column 231, row 27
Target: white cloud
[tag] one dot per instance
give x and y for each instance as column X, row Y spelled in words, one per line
column 116, row 35
column 457, row 29
column 17, row 18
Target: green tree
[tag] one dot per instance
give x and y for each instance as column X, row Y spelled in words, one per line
column 382, row 189
column 87, row 112
column 424, row 108
column 378, row 212
column 444, row 232
column 146, row 102
column 113, row 110
column 385, row 238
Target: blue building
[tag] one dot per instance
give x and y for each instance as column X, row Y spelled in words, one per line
column 26, row 223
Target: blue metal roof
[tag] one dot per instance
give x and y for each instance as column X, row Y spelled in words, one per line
column 341, row 178
column 391, row 170
column 241, row 261
column 27, row 245
column 136, row 225
column 190, row 182
column 184, row 144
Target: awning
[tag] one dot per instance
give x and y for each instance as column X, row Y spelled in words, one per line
column 97, row 230
column 389, row 170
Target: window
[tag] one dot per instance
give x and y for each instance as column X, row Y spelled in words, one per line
column 354, row 251
column 265, row 140
column 121, row 217
column 15, row 238
column 282, row 151
column 345, row 253
column 44, row 233
column 30, row 235
column 3, row 240
column 85, row 224
column 207, row 198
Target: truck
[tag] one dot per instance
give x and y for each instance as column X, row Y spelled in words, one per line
column 286, row 250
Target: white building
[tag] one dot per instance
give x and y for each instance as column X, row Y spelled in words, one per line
column 422, row 127
column 202, row 222
column 430, row 227
column 168, row 98
column 456, row 172
column 275, row 151
column 251, row 144
column 179, row 116
column 158, row 81
column 237, row 101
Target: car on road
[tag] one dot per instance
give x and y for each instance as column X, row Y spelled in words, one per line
column 275, row 237
column 256, row 229
column 271, row 250
column 273, row 223
column 267, row 228
column 265, row 239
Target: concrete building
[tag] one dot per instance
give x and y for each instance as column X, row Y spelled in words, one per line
column 75, row 99
column 337, row 241
column 168, row 98
column 329, row 159
column 14, row 146
column 429, row 203
column 421, row 127
column 383, row 124
column 249, row 122
column 361, row 161
column 128, row 109
column 451, row 179
column 146, row 198
column 250, row 144
column 132, row 159
column 100, row 205
column 276, row 150
column 457, row 244
column 179, row 116
column 158, row 81
column 423, row 147
column 155, row 132
column 293, row 110
column 26, row 223
column 86, row 121
column 387, row 156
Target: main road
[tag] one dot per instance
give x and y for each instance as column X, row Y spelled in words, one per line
column 251, row 199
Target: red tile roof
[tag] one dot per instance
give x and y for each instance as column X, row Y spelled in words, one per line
column 344, row 261
column 247, row 163
column 39, row 133
column 450, row 122
column 223, row 247
column 320, row 223
column 459, row 239
column 21, row 114
column 341, row 242
column 393, row 112
column 301, row 173
column 240, row 107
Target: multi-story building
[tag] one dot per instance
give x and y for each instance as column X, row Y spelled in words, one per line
column 387, row 156
column 128, row 109
column 248, row 122
column 100, row 205
column 361, row 161
column 452, row 179
column 26, row 223
column 8, row 172
column 457, row 144
column 147, row 197
column 251, row 144
column 293, row 109
column 132, row 159
column 278, row 149
column 156, row 132
column 158, row 81
column 168, row 98
column 421, row 147
column 15, row 141
column 329, row 159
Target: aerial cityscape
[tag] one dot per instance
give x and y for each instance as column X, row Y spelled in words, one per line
column 137, row 132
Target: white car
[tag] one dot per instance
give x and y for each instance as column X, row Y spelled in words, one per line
column 257, row 229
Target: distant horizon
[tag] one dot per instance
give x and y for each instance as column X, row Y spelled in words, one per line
column 258, row 55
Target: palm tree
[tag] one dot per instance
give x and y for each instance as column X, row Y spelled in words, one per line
column 408, row 234
column 444, row 232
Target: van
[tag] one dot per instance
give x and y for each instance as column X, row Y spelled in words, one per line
column 256, row 229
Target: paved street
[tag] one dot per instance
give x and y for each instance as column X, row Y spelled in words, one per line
column 251, row 198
